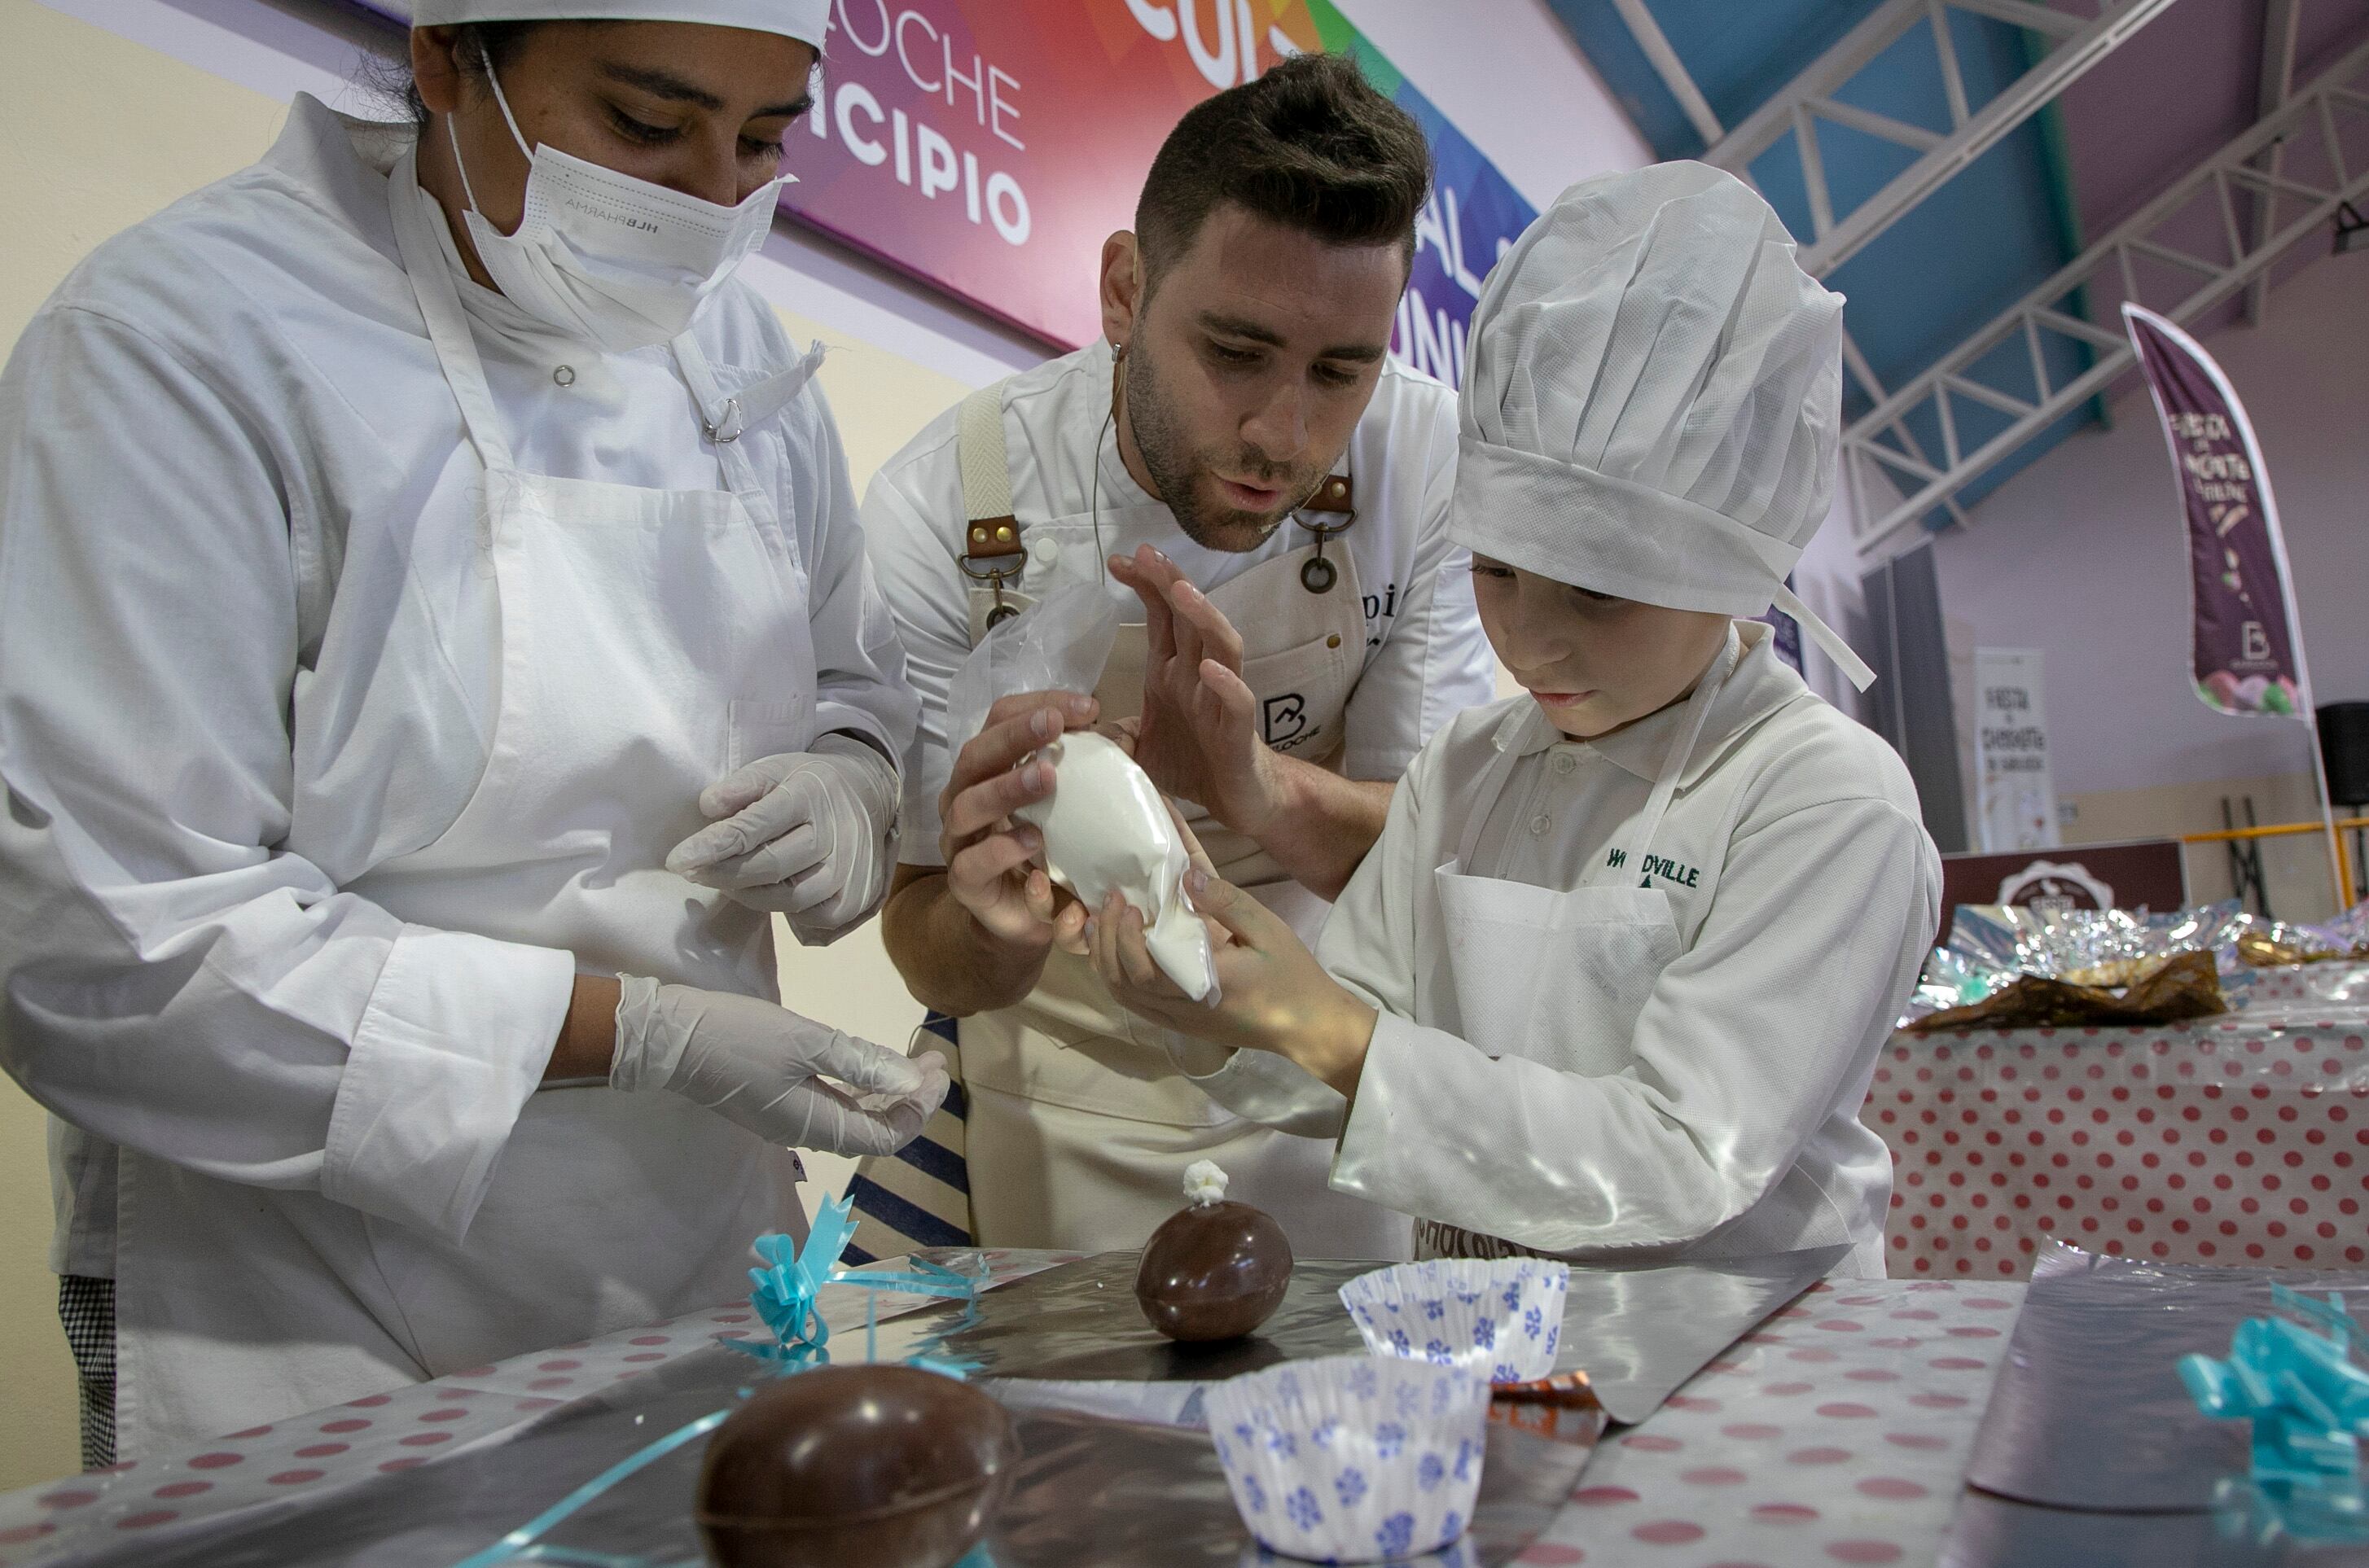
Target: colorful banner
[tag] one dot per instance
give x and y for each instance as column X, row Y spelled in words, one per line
column 2247, row 656
column 989, row 147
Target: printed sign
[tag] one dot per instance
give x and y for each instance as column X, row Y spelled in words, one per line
column 2145, row 874
column 989, row 147
column 2016, row 793
column 2245, row 658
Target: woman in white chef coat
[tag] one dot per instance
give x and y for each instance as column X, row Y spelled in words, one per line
column 434, row 635
column 1613, row 980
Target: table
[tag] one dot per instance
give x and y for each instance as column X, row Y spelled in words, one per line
column 1837, row 1432
column 2242, row 1139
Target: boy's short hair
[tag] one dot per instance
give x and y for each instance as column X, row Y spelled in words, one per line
column 1310, row 144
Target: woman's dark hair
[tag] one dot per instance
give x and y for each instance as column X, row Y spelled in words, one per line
column 1310, row 144
column 480, row 42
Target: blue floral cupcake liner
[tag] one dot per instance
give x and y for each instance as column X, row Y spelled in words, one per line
column 1500, row 1319
column 1352, row 1459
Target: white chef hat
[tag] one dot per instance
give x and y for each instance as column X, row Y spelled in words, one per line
column 800, row 20
column 1652, row 399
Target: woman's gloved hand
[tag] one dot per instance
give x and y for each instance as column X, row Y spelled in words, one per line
column 763, row 1067
column 805, row 833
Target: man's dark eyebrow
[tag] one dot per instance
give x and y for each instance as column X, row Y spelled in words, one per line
column 667, row 84
column 1236, row 327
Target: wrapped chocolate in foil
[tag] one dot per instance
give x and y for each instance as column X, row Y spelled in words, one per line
column 2010, row 967
column 2270, row 944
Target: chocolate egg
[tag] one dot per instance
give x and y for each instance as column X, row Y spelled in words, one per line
column 873, row 1466
column 1213, row 1271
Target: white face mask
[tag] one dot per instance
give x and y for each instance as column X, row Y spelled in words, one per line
column 604, row 257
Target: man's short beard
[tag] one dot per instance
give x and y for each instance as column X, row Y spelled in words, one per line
column 1175, row 471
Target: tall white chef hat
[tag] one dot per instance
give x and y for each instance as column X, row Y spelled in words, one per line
column 800, row 20
column 1652, row 398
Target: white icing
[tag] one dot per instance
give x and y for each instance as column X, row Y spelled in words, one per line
column 1107, row 830
column 1205, row 1182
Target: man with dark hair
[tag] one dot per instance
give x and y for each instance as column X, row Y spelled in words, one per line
column 1239, row 459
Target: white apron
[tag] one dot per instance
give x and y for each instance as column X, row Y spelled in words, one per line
column 651, row 641
column 1584, row 959
column 1080, row 1124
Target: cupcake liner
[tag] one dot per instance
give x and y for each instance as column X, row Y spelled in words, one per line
column 1352, row 1459
column 1496, row 1318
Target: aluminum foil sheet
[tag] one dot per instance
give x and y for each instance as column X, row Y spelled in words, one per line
column 1994, row 1532
column 1091, row 1491
column 1637, row 1332
column 1993, row 946
column 2268, row 943
column 2088, row 1412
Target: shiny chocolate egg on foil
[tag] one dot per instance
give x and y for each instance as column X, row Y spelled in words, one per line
column 1213, row 1269
column 873, row 1466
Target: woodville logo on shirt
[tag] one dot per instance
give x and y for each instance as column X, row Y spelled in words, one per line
column 1653, row 866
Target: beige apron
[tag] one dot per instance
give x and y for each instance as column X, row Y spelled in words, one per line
column 1080, row 1124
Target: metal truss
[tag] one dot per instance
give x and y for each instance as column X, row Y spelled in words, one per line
column 2282, row 21
column 1667, row 65
column 2076, row 42
column 2312, row 121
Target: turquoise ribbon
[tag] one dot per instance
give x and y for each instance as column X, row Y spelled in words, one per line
column 785, row 1297
column 520, row 1541
column 2308, row 1400
column 793, row 1276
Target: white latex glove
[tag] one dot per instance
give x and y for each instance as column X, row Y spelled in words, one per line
column 805, row 833
column 762, row 1066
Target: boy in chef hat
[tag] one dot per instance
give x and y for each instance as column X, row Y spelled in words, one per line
column 1613, row 982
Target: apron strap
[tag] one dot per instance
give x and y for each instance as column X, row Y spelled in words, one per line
column 440, row 307
column 742, row 412
column 727, row 419
column 1512, row 734
column 992, row 542
column 1853, row 668
column 1682, row 746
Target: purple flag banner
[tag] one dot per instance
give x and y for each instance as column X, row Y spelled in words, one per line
column 2247, row 658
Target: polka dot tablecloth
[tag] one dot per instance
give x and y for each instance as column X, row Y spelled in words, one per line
column 2241, row 1139
column 2305, row 986
column 312, row 1455
column 1837, row 1433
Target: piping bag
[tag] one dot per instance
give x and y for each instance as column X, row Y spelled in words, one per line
column 1106, row 827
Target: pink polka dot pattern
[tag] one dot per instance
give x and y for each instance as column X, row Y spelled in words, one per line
column 2241, row 1139
column 1838, row 1433
column 387, row 1432
column 1855, row 1458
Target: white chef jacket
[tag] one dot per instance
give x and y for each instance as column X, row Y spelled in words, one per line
column 1426, row 657
column 1805, row 893
column 217, row 439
